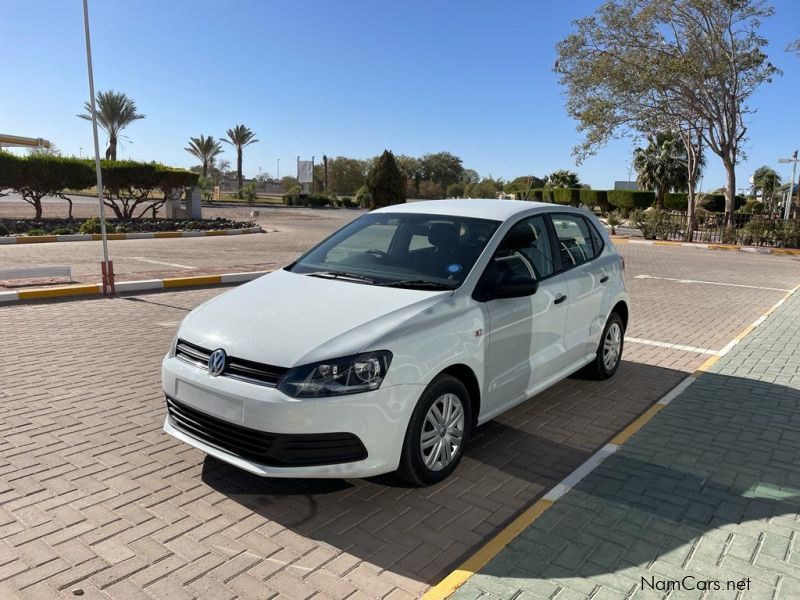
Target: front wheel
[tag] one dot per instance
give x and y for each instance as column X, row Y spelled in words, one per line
column 439, row 427
column 609, row 352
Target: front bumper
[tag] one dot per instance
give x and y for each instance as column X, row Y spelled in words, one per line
column 378, row 419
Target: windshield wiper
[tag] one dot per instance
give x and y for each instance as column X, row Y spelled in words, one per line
column 343, row 275
column 419, row 284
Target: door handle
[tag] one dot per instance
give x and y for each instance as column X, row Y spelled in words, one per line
column 559, row 299
column 604, row 278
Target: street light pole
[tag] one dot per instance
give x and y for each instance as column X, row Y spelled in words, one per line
column 788, row 205
column 108, row 274
column 279, row 169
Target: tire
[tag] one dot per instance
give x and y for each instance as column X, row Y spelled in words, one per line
column 416, row 465
column 600, row 368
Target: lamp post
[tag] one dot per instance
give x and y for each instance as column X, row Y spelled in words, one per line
column 108, row 272
column 788, row 205
column 279, row 169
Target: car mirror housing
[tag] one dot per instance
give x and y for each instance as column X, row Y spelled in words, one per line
column 517, row 287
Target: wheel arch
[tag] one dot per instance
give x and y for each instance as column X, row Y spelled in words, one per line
column 467, row 376
column 621, row 308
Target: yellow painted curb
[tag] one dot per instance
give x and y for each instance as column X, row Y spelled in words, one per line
column 36, row 239
column 168, row 234
column 785, row 251
column 723, row 247
column 487, row 552
column 174, row 282
column 624, row 435
column 620, row 240
column 217, row 232
column 110, row 236
column 709, row 362
column 57, row 292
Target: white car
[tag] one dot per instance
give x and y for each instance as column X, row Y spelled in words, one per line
column 386, row 345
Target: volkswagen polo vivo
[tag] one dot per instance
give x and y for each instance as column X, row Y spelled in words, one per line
column 382, row 348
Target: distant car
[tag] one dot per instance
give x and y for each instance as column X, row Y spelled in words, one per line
column 383, row 347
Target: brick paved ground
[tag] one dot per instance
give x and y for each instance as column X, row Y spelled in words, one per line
column 94, row 496
column 292, row 231
column 710, row 488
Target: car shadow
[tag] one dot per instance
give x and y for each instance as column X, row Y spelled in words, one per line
column 423, row 533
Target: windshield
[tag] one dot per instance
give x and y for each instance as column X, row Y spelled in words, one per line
column 401, row 250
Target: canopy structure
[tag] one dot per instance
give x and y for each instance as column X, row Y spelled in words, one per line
column 24, row 142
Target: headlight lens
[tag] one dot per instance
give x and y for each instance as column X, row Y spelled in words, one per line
column 347, row 375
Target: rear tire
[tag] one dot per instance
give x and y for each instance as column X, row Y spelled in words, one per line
column 609, row 352
column 437, row 432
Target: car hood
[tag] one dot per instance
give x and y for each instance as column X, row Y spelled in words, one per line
column 286, row 319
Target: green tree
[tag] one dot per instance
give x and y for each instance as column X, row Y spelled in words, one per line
column 411, row 168
column 645, row 65
column 522, row 186
column 487, row 188
column 470, row 176
column 288, row 182
column 385, row 182
column 115, row 111
column 456, row 190
column 205, row 149
column 430, row 190
column 443, row 168
column 661, row 165
column 766, row 181
column 563, row 179
column 239, row 137
column 346, row 175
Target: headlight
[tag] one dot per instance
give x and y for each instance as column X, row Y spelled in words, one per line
column 348, row 375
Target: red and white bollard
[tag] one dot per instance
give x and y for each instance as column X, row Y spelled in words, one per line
column 108, row 279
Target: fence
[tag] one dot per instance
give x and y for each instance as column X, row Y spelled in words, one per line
column 748, row 229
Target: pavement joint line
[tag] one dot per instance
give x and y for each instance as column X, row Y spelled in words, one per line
column 76, row 292
column 687, row 281
column 683, row 347
column 481, row 557
column 135, row 235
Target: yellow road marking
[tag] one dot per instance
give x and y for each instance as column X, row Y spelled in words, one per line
column 57, row 292
column 624, row 435
column 168, row 234
column 36, row 239
column 487, row 552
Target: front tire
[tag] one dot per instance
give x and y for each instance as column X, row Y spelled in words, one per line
column 609, row 352
column 437, row 432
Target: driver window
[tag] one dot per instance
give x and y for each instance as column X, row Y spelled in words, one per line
column 527, row 246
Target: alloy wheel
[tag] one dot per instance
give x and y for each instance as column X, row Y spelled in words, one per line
column 612, row 345
column 442, row 432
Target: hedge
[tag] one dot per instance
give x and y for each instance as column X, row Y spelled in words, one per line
column 592, row 198
column 631, row 199
column 567, row 196
column 541, row 195
column 127, row 184
column 716, row 202
column 676, row 201
column 53, row 226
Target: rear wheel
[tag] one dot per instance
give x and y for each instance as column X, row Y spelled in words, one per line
column 439, row 427
column 609, row 352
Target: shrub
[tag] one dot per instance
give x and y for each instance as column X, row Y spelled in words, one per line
column 716, row 202
column 62, row 231
column 614, row 219
column 36, row 231
column 3, row 230
column 592, row 198
column 347, row 202
column 656, row 224
column 363, row 197
column 567, row 196
column 456, row 190
column 678, row 201
column 788, row 234
column 249, row 192
column 129, row 186
column 758, row 231
column 90, row 226
column 631, row 199
column 541, row 195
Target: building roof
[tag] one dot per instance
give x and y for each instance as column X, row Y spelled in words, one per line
column 479, row 208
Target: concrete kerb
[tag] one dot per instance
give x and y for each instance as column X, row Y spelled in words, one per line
column 139, row 235
column 76, row 292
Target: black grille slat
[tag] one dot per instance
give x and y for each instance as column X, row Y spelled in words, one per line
column 236, row 368
column 270, row 449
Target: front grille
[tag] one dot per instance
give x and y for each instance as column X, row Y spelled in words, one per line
column 236, row 368
column 270, row 449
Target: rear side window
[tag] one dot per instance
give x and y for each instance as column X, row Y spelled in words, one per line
column 574, row 240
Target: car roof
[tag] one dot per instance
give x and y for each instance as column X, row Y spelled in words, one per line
column 479, row 208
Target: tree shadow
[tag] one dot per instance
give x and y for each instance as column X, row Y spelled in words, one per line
column 684, row 476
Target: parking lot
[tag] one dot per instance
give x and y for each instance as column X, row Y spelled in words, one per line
column 95, row 497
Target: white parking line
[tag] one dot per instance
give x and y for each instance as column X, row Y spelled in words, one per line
column 672, row 346
column 158, row 262
column 740, row 285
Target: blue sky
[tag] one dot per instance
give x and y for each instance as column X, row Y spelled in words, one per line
column 338, row 77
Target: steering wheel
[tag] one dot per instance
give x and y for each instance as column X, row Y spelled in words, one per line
column 378, row 253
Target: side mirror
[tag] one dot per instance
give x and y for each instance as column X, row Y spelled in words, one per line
column 516, row 287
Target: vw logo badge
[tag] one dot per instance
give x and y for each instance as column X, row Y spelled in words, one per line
column 216, row 362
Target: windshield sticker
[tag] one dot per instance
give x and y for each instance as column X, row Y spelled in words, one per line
column 453, row 268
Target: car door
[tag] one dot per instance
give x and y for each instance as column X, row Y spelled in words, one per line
column 524, row 337
column 585, row 277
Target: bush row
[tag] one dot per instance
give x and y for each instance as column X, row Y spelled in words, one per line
column 319, row 200
column 130, row 188
column 679, row 201
column 605, row 199
column 71, row 226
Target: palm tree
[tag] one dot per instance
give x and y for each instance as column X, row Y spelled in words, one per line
column 115, row 111
column 205, row 149
column 661, row 165
column 239, row 137
column 767, row 181
column 563, row 179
